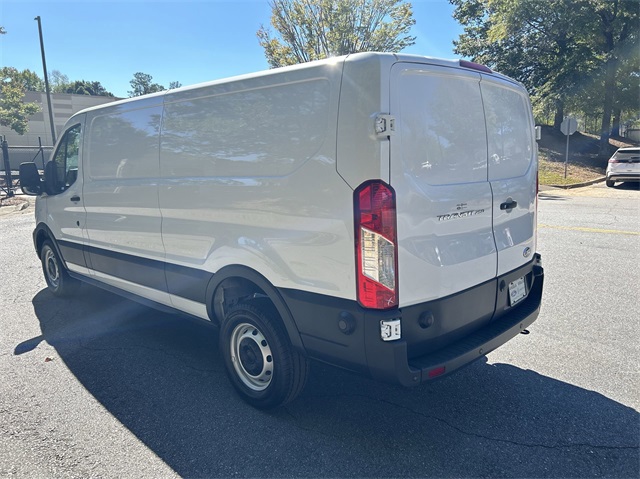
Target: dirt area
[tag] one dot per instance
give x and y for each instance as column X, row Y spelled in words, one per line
column 584, row 164
column 18, row 204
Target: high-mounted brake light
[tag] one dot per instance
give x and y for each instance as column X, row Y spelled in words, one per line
column 376, row 245
column 475, row 66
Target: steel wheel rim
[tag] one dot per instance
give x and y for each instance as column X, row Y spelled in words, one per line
column 51, row 267
column 251, row 357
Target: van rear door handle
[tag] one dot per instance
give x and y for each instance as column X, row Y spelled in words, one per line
column 75, row 198
column 509, row 204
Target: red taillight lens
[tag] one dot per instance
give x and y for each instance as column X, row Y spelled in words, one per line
column 376, row 245
column 613, row 159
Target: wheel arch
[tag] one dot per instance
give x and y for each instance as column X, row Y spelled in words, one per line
column 43, row 233
column 236, row 282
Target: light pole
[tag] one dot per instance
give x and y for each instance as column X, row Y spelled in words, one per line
column 46, row 83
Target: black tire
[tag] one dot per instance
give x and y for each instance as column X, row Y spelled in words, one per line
column 259, row 359
column 610, row 183
column 55, row 274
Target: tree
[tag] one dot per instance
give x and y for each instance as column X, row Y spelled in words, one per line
column 142, row 85
column 315, row 29
column 559, row 49
column 174, row 84
column 529, row 41
column 83, row 87
column 28, row 79
column 616, row 28
column 14, row 112
column 58, row 81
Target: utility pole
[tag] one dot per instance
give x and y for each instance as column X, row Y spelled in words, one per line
column 46, row 83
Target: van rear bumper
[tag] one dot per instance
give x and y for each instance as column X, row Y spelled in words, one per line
column 342, row 333
column 474, row 346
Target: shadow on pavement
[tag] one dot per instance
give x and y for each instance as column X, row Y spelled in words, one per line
column 627, row 186
column 161, row 377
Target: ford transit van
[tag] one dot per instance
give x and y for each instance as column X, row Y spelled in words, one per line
column 376, row 212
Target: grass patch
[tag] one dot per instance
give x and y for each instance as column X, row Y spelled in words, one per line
column 552, row 172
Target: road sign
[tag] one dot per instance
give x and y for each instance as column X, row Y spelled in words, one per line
column 569, row 126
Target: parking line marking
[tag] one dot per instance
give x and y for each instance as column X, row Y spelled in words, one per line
column 590, row 230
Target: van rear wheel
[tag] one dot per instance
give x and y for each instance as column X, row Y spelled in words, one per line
column 259, row 359
column 55, row 274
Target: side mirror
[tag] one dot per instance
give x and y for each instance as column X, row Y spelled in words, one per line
column 51, row 178
column 30, row 181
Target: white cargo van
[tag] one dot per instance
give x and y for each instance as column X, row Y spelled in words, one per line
column 376, row 212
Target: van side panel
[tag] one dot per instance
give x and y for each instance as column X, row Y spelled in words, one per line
column 364, row 95
column 249, row 178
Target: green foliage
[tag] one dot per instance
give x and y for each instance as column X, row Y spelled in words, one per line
column 14, row 113
column 142, row 85
column 174, row 84
column 31, row 81
column 83, row 87
column 309, row 30
column 567, row 52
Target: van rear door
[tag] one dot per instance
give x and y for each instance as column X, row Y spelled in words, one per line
column 440, row 173
column 512, row 165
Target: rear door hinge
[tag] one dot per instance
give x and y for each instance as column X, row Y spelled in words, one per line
column 385, row 126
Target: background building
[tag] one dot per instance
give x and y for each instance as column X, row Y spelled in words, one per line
column 25, row 147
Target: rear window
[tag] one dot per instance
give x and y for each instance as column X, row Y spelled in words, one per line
column 509, row 131
column 443, row 130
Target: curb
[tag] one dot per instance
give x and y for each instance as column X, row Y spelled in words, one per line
column 579, row 185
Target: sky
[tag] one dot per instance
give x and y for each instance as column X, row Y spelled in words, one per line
column 187, row 41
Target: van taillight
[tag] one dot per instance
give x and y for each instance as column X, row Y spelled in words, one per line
column 376, row 245
column 475, row 66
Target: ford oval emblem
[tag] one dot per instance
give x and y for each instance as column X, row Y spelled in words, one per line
column 527, row 252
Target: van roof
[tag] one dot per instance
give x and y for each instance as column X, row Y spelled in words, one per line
column 386, row 59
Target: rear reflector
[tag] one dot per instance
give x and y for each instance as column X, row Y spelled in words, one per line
column 475, row 66
column 437, row 372
column 376, row 245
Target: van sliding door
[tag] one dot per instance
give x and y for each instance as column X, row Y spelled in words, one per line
column 121, row 199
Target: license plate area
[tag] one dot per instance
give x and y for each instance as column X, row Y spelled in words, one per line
column 517, row 291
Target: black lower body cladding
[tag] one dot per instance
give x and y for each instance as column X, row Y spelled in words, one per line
column 437, row 337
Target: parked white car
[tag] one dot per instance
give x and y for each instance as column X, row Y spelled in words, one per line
column 376, row 212
column 624, row 165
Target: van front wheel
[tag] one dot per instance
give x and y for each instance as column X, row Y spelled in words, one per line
column 258, row 356
column 55, row 274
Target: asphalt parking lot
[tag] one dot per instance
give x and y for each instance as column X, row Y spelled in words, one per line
column 97, row 386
